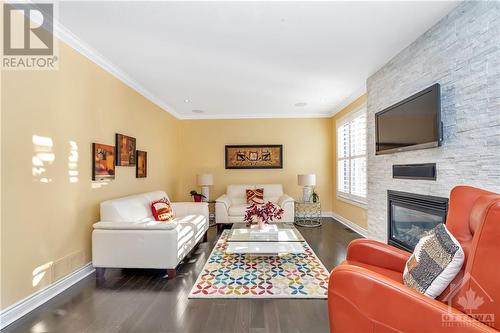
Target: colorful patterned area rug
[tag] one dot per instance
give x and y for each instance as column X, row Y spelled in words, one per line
column 249, row 276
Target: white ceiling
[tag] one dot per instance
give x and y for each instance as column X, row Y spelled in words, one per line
column 246, row 59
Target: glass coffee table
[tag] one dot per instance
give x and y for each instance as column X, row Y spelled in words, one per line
column 275, row 239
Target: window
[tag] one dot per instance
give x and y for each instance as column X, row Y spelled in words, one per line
column 351, row 157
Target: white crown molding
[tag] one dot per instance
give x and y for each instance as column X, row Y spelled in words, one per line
column 351, row 225
column 28, row 304
column 258, row 116
column 80, row 46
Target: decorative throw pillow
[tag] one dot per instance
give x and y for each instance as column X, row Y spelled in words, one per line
column 436, row 260
column 162, row 210
column 255, row 196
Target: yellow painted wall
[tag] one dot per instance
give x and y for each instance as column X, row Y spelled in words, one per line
column 306, row 149
column 351, row 212
column 48, row 225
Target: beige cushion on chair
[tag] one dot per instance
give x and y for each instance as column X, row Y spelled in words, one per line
column 238, row 210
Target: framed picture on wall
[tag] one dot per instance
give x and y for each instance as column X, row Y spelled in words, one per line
column 141, row 167
column 103, row 166
column 125, row 150
column 254, row 157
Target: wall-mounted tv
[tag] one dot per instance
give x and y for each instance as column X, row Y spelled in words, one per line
column 414, row 123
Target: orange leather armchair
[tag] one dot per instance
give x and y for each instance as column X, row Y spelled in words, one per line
column 366, row 292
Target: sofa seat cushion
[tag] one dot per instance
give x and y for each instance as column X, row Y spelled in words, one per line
column 197, row 222
column 238, row 209
column 393, row 275
column 148, row 225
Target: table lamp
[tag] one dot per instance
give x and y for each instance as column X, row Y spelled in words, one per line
column 308, row 181
column 205, row 180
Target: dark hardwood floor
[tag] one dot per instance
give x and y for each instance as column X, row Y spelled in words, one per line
column 141, row 301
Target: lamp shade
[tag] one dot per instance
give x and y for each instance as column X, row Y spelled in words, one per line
column 205, row 179
column 306, row 180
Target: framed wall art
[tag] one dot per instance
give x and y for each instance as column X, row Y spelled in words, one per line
column 125, row 150
column 254, row 157
column 103, row 166
column 141, row 166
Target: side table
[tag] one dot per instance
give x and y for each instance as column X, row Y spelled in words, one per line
column 307, row 214
column 211, row 213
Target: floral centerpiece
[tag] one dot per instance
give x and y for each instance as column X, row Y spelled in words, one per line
column 262, row 214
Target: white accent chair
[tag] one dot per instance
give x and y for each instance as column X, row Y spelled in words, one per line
column 230, row 207
column 129, row 237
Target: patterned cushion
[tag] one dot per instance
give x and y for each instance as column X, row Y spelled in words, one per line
column 162, row 211
column 437, row 259
column 255, row 196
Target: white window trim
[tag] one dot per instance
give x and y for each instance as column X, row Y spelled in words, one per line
column 342, row 196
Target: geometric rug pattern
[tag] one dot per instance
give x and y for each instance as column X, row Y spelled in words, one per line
column 224, row 275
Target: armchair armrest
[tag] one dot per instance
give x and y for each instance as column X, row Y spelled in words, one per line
column 360, row 300
column 285, row 198
column 190, row 208
column 377, row 254
column 224, row 199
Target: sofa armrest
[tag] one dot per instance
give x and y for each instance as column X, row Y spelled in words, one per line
column 224, row 199
column 377, row 254
column 285, row 198
column 361, row 300
column 287, row 203
column 190, row 208
column 150, row 225
column 222, row 205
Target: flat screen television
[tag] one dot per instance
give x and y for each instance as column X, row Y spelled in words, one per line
column 414, row 123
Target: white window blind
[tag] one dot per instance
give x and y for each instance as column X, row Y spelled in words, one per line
column 351, row 157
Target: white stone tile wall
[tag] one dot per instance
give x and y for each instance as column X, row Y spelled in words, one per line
column 462, row 53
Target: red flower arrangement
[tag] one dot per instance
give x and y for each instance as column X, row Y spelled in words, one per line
column 262, row 213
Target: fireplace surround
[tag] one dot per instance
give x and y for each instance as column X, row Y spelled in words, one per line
column 410, row 215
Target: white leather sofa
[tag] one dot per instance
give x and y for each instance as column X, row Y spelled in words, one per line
column 129, row 237
column 231, row 207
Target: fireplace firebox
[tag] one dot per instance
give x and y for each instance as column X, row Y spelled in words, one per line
column 410, row 215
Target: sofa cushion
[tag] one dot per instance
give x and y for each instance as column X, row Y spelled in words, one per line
column 130, row 209
column 162, row 211
column 237, row 193
column 238, row 210
column 272, row 192
column 436, row 260
column 255, row 196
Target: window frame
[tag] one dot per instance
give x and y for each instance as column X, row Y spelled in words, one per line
column 343, row 196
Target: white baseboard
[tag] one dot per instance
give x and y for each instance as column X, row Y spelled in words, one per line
column 24, row 306
column 351, row 225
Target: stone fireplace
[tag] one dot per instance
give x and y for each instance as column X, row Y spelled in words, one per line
column 410, row 215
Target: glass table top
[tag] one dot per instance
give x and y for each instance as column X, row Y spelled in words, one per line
column 273, row 232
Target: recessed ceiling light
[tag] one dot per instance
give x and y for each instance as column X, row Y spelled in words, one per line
column 198, row 111
column 300, row 104
column 187, row 101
